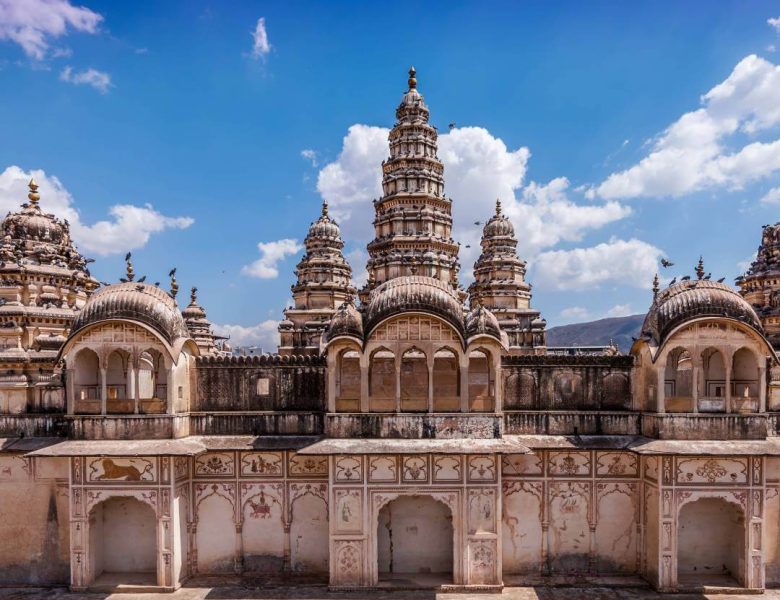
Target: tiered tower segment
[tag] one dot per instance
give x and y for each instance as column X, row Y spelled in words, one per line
column 413, row 224
column 324, row 283
column 760, row 287
column 500, row 285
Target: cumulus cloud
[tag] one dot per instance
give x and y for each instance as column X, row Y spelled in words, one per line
column 264, row 334
column 774, row 23
column 694, row 152
column 620, row 262
column 260, row 45
column 99, row 80
column 619, row 310
column 311, row 156
column 479, row 168
column 271, row 254
column 130, row 226
column 771, row 197
column 574, row 314
column 32, row 24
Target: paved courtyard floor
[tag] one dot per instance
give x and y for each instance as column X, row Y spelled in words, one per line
column 235, row 592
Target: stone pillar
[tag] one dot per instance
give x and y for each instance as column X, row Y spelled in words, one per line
column 695, row 374
column 464, row 384
column 103, row 391
column 762, row 388
column 332, row 373
column 132, row 384
column 364, row 388
column 70, row 390
column 661, row 388
column 238, row 559
column 397, row 383
column 728, row 385
column 430, row 380
column 172, row 393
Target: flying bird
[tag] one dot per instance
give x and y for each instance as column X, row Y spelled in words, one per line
column 452, row 126
column 172, row 273
column 666, row 263
column 477, row 222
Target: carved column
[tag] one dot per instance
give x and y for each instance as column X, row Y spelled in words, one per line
column 365, row 374
column 464, row 384
column 70, row 379
column 762, row 388
column 132, row 386
column 695, row 373
column 171, row 408
column 430, row 361
column 238, row 559
column 661, row 388
column 728, row 384
column 103, row 391
column 397, row 383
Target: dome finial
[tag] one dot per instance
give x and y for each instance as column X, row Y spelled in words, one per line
column 498, row 207
column 412, row 79
column 194, row 295
column 128, row 262
column 700, row 268
column 324, row 208
column 174, row 283
column 34, row 196
column 656, row 286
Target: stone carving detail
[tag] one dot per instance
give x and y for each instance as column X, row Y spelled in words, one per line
column 651, row 468
column 414, row 329
column 308, row 466
column 348, row 563
column 349, row 510
column 349, row 468
column 616, row 464
column 415, row 469
column 215, row 463
column 482, row 468
column 483, row 561
column 447, row 468
column 521, row 464
column 259, row 497
column 181, row 467
column 482, row 511
column 382, row 469
column 261, row 464
column 710, row 470
column 121, row 469
column 568, row 464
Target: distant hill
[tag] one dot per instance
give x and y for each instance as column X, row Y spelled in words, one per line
column 597, row 333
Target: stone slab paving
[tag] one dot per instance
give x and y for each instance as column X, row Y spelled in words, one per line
column 321, row 593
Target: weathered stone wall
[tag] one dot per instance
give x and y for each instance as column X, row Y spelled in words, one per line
column 259, row 383
column 567, row 382
column 772, row 522
column 34, row 521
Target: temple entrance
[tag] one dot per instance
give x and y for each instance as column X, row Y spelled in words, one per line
column 415, row 542
column 710, row 544
column 122, row 544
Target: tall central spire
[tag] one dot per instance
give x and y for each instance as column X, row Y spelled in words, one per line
column 413, row 224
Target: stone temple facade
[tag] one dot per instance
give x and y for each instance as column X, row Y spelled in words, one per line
column 409, row 433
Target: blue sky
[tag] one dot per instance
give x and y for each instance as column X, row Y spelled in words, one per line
column 615, row 133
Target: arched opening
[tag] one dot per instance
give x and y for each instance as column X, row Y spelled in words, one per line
column 86, row 387
column 117, row 398
column 710, row 543
column 122, row 543
column 415, row 542
column 152, row 382
column 381, row 381
column 348, row 381
column 745, row 381
column 714, row 381
column 414, row 381
column 446, row 381
column 481, row 382
column 678, row 381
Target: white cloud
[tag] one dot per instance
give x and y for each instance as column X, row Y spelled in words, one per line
column 357, row 259
column 33, row 23
column 130, row 227
column 99, row 80
column 693, row 153
column 311, row 156
column 478, row 169
column 619, row 310
column 575, row 314
column 260, row 45
column 271, row 253
column 772, row 196
column 774, row 23
column 771, row 48
column 744, row 265
column 619, row 262
column 265, row 334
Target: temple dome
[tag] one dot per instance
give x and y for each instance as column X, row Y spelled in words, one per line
column 324, row 227
column 693, row 299
column 347, row 321
column 147, row 304
column 32, row 224
column 480, row 321
column 414, row 293
column 499, row 225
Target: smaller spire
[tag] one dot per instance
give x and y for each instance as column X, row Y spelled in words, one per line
column 129, row 263
column 412, row 79
column 194, row 295
column 34, row 196
column 498, row 207
column 324, row 208
column 174, row 283
column 700, row 268
column 656, row 286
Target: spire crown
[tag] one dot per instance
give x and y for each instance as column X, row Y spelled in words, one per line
column 194, row 295
column 34, row 196
column 129, row 263
column 498, row 207
column 412, row 79
column 700, row 268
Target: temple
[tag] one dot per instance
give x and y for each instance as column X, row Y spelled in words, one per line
column 407, row 434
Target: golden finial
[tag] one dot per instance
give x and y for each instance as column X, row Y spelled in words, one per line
column 34, row 196
column 130, row 272
column 194, row 295
column 700, row 268
column 498, row 206
column 656, row 286
column 174, row 284
column 325, row 208
column 412, row 79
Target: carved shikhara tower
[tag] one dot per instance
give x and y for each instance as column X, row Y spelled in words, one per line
column 760, row 286
column 413, row 224
column 500, row 285
column 324, row 282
